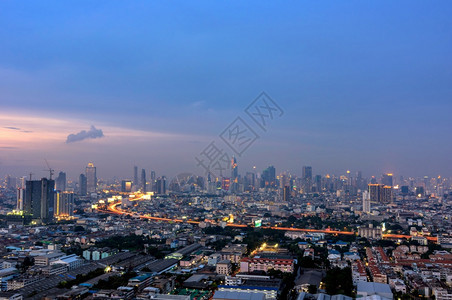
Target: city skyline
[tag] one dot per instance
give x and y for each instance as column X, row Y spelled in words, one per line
column 359, row 92
column 269, row 173
column 226, row 150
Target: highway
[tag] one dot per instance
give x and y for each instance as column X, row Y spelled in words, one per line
column 113, row 208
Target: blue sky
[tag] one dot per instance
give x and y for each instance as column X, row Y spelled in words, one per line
column 364, row 85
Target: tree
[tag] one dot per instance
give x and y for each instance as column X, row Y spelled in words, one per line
column 312, row 289
column 339, row 281
column 79, row 228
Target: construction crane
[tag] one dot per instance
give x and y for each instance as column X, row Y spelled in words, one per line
column 51, row 171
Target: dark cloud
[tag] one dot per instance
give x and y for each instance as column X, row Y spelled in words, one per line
column 93, row 133
column 12, row 128
column 17, row 128
column 8, row 148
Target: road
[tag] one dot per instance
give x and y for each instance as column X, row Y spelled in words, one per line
column 113, row 208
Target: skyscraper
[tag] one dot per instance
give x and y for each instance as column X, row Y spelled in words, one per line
column 60, row 182
column 306, row 177
column 250, row 181
column 380, row 193
column 286, row 193
column 11, row 182
column 366, row 202
column 307, row 173
column 64, row 204
column 135, row 176
column 386, row 179
column 318, row 183
column 82, row 185
column 374, row 192
column 20, row 199
column 161, row 185
column 153, row 182
column 234, row 185
column 91, row 178
column 234, row 169
column 268, row 177
column 39, row 199
column 21, row 194
column 143, row 181
column 126, row 186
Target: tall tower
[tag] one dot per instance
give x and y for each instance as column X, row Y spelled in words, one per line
column 307, row 173
column 153, row 182
column 286, row 193
column 91, row 178
column 143, row 181
column 268, row 177
column 20, row 199
column 161, row 185
column 82, row 185
column 234, row 176
column 234, row 172
column 306, row 177
column 39, row 199
column 60, row 182
column 366, row 202
column 135, row 176
column 380, row 193
column 374, row 192
column 21, row 194
column 64, row 204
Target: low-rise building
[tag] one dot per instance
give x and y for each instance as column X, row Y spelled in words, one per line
column 248, row 264
column 224, row 267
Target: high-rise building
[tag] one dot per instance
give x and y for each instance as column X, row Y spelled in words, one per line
column 11, row 182
column 21, row 194
column 250, row 182
column 387, row 194
column 60, row 182
column 225, row 183
column 268, row 177
column 91, row 178
column 307, row 173
column 360, row 182
column 64, row 204
column 374, row 192
column 161, row 185
column 286, row 193
column 39, row 199
column 318, row 183
column 366, row 202
column 20, row 199
column 126, row 186
column 234, row 168
column 135, row 176
column 380, row 193
column 234, row 186
column 153, row 182
column 143, row 181
column 420, row 191
column 306, row 177
column 387, row 179
column 82, row 185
